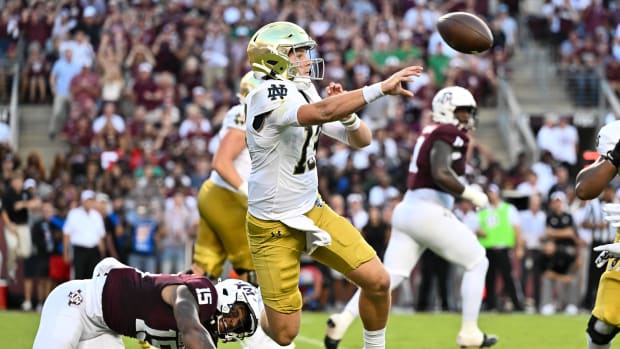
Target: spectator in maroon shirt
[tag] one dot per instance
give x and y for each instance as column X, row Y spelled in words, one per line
column 85, row 91
column 145, row 91
column 36, row 24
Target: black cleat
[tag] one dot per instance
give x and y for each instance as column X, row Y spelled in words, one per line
column 331, row 343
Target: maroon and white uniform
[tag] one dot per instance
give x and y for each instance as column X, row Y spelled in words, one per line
column 94, row 313
column 420, row 179
column 424, row 218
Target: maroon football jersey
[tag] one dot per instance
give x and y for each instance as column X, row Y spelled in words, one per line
column 132, row 305
column 420, row 175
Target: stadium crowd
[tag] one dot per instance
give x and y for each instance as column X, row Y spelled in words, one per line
column 139, row 90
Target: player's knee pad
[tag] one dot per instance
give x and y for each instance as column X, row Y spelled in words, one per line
column 600, row 333
column 250, row 275
column 482, row 265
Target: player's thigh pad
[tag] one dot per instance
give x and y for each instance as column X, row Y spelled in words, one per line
column 437, row 228
column 348, row 249
column 607, row 304
column 402, row 254
column 276, row 250
column 209, row 253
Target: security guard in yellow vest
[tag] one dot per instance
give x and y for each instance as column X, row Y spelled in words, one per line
column 499, row 232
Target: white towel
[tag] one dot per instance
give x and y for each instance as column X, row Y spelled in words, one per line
column 315, row 236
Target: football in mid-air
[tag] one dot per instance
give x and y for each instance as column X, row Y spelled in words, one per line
column 465, row 32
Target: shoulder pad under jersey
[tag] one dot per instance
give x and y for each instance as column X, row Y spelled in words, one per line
column 268, row 96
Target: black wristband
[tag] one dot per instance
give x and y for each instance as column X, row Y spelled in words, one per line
column 613, row 158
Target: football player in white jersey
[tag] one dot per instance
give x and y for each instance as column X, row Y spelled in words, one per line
column 286, row 216
column 604, row 323
column 424, row 218
column 223, row 203
column 222, row 199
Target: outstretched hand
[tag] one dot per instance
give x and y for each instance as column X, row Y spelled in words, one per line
column 394, row 84
column 334, row 88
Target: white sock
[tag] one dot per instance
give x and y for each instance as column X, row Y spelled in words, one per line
column 343, row 321
column 353, row 305
column 374, row 339
column 472, row 288
column 597, row 346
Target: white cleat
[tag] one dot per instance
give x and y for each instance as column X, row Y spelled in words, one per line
column 476, row 340
column 337, row 326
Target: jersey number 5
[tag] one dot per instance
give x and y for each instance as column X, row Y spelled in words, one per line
column 204, row 296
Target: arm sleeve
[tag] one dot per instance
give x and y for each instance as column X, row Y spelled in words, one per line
column 336, row 131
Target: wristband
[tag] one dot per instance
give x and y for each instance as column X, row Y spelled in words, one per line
column 615, row 160
column 352, row 123
column 243, row 189
column 372, row 93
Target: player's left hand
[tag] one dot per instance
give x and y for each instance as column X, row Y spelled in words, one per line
column 334, row 88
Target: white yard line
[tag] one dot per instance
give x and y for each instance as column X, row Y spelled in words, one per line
column 314, row 342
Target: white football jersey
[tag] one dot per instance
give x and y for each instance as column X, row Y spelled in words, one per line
column 283, row 182
column 234, row 119
column 607, row 137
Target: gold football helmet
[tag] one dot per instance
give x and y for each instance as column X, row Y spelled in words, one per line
column 271, row 45
column 247, row 84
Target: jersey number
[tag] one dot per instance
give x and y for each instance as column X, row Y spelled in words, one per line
column 413, row 165
column 303, row 163
column 204, row 296
column 165, row 339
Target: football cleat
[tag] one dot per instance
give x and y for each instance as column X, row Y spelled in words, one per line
column 471, row 342
column 331, row 343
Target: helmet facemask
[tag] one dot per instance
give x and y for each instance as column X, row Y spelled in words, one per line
column 245, row 328
column 234, row 296
column 305, row 66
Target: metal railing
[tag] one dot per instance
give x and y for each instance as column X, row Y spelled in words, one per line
column 608, row 103
column 14, row 107
column 514, row 124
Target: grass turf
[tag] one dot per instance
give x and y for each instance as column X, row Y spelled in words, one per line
column 422, row 331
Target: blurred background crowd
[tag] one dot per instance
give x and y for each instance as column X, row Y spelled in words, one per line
column 139, row 88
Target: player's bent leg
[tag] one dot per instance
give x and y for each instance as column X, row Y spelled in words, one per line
column 107, row 340
column 600, row 333
column 282, row 328
column 338, row 324
column 459, row 245
column 374, row 303
column 60, row 325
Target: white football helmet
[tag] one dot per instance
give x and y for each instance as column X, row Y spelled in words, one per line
column 269, row 49
column 447, row 100
column 231, row 292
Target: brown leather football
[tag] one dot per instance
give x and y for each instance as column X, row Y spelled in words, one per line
column 465, row 32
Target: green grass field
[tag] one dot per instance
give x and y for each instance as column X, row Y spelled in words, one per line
column 423, row 331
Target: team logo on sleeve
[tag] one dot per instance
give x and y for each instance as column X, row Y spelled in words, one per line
column 275, row 91
column 75, row 298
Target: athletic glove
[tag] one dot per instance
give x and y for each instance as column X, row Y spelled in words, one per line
column 612, row 249
column 477, row 197
column 614, row 155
